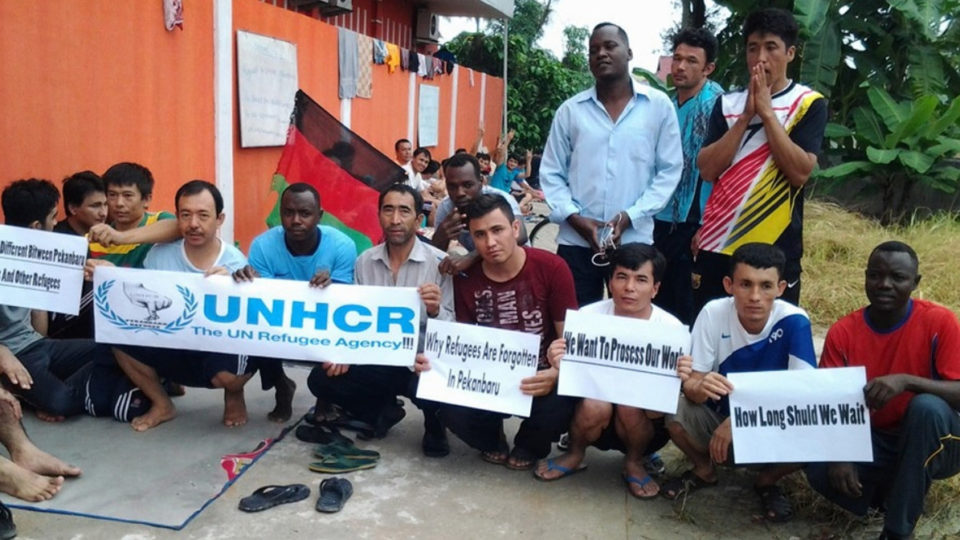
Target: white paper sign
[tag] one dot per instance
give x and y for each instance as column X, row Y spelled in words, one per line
column 479, row 366
column 800, row 416
column 41, row 270
column 345, row 324
column 267, row 80
column 428, row 117
column 622, row 360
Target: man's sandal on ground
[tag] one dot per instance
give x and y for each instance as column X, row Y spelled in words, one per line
column 640, row 483
column 270, row 496
column 341, row 464
column 776, row 506
column 335, row 449
column 687, row 483
column 552, row 466
column 334, row 493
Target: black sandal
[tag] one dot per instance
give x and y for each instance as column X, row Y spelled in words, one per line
column 776, row 506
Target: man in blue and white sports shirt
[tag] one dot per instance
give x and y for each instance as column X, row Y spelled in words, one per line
column 751, row 330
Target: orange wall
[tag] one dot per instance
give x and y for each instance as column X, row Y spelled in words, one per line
column 87, row 83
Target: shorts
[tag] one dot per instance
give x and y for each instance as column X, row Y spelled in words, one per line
column 190, row 368
column 610, row 440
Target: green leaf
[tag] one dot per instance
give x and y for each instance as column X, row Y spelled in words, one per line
column 644, row 75
column 820, row 58
column 949, row 119
column 925, row 71
column 947, row 147
column 834, row 131
column 917, row 161
column 882, row 156
column 921, row 113
column 891, row 112
column 811, row 14
column 923, row 13
column 845, row 169
column 868, row 125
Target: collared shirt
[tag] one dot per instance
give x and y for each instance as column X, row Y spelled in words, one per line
column 421, row 266
column 597, row 167
column 173, row 258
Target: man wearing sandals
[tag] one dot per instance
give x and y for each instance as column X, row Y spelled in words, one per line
column 751, row 331
column 635, row 274
column 514, row 288
column 911, row 351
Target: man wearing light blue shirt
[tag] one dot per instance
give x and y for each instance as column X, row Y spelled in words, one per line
column 613, row 158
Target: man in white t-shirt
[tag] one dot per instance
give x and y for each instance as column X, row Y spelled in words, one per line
column 635, row 274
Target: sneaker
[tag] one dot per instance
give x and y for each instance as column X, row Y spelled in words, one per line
column 564, row 442
column 653, row 463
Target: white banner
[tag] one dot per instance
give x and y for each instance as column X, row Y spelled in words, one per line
column 623, row 360
column 267, row 86
column 41, row 270
column 346, row 324
column 428, row 119
column 479, row 366
column 800, row 416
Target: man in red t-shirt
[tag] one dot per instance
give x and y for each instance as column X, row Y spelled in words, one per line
column 514, row 288
column 911, row 350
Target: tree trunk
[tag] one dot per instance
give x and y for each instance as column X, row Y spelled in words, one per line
column 694, row 13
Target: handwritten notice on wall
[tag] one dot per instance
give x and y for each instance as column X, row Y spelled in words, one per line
column 267, row 79
column 428, row 119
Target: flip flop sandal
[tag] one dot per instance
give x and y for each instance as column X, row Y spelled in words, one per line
column 346, row 450
column 321, row 434
column 270, row 496
column 8, row 529
column 497, row 457
column 362, row 429
column 334, row 493
column 341, row 464
column 639, row 482
column 519, row 454
column 776, row 506
column 685, row 484
column 552, row 466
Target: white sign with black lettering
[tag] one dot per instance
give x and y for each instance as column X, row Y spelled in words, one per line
column 623, row 360
column 800, row 416
column 478, row 367
column 41, row 270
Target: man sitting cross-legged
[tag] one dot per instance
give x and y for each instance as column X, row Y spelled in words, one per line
column 369, row 392
column 514, row 288
column 751, row 331
column 199, row 215
column 635, row 273
column 911, row 351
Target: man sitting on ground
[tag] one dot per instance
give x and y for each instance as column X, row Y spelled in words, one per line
column 911, row 351
column 369, row 392
column 303, row 250
column 752, row 330
column 514, row 288
column 635, row 274
column 199, row 215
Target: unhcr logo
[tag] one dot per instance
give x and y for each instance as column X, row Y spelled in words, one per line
column 150, row 303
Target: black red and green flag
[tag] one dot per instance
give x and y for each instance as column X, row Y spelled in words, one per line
column 347, row 171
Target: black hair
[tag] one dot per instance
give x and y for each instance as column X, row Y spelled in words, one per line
column 129, row 174
column 29, row 200
column 396, row 145
column 486, row 203
column 422, row 150
column 759, row 255
column 776, row 21
column 459, row 160
column 78, row 186
column 432, row 167
column 403, row 188
column 517, row 157
column 700, row 38
column 620, row 31
column 894, row 246
column 195, row 187
column 483, row 155
column 634, row 255
column 460, row 150
column 301, row 187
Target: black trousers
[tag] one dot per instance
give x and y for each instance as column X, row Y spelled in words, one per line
column 676, row 292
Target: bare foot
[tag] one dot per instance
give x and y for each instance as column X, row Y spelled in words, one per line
column 47, row 417
column 157, row 415
column 27, row 485
column 640, row 484
column 563, row 465
column 284, row 409
column 234, row 409
column 33, row 459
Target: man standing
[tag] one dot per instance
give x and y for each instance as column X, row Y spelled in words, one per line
column 403, row 150
column 85, row 203
column 514, row 288
column 750, row 331
column 299, row 249
column 694, row 51
column 369, row 392
column 613, row 158
column 635, row 277
column 911, row 351
column 760, row 150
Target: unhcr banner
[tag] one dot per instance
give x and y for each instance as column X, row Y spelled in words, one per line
column 345, row 324
column 41, row 270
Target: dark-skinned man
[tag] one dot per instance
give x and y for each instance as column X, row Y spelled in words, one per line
column 613, row 159
column 911, row 351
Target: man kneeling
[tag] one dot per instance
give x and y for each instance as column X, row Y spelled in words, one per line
column 636, row 271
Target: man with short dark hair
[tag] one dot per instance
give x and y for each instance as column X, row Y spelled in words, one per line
column 635, row 277
column 911, row 351
column 733, row 335
column 612, row 160
column 513, row 288
column 369, row 392
column 694, row 51
column 760, row 150
column 84, row 201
